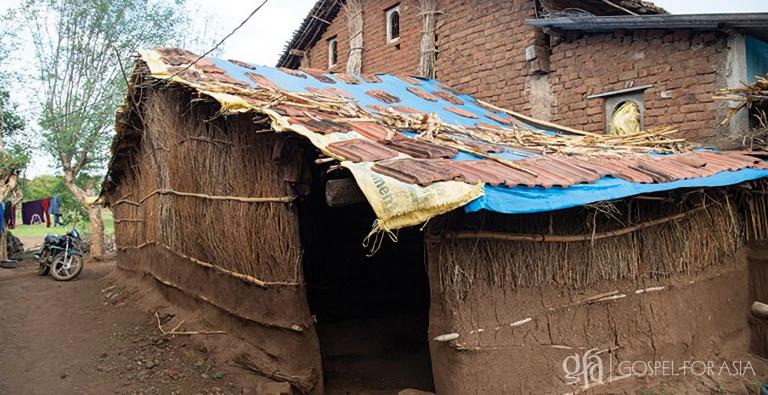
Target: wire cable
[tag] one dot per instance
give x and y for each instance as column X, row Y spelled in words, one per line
column 223, row 39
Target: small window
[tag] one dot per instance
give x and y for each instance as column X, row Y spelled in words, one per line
column 333, row 53
column 393, row 24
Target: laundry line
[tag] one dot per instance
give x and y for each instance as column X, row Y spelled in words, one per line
column 35, row 212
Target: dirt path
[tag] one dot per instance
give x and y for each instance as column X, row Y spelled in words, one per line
column 82, row 337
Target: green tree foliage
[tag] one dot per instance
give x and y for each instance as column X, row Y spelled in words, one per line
column 14, row 151
column 83, row 50
column 14, row 148
column 12, row 121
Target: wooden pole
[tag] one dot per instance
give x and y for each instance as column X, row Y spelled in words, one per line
column 539, row 122
column 543, row 238
column 342, row 192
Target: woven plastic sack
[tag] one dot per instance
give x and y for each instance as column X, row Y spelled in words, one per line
column 398, row 204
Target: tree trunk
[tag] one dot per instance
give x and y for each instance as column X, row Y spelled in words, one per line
column 86, row 198
column 2, row 124
column 8, row 188
column 97, row 230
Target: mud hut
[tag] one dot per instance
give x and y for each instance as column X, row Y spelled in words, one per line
column 388, row 231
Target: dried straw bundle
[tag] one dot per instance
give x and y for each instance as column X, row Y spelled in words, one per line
column 427, row 47
column 746, row 96
column 354, row 12
column 626, row 120
column 755, row 203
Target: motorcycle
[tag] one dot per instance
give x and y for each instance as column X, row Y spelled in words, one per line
column 61, row 256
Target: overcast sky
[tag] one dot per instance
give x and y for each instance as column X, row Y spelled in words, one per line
column 262, row 40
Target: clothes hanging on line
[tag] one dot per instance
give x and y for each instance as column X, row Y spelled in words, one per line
column 33, row 213
column 55, row 210
column 46, row 203
column 10, row 214
column 2, row 215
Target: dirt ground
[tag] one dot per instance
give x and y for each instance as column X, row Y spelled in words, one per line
column 87, row 337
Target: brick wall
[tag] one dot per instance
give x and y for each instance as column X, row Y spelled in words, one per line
column 378, row 55
column 482, row 49
column 684, row 67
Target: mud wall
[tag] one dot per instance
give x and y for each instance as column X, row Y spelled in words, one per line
column 510, row 312
column 205, row 208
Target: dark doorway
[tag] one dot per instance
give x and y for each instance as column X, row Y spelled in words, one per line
column 371, row 311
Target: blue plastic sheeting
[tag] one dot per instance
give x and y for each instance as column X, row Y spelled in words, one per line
column 516, row 200
column 522, row 200
column 389, row 84
column 757, row 58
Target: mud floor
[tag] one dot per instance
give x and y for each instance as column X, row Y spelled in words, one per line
column 88, row 336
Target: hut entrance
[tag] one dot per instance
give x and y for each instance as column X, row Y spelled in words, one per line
column 371, row 311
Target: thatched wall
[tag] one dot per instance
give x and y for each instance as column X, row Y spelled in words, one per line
column 642, row 278
column 204, row 207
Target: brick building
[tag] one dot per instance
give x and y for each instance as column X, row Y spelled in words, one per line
column 563, row 61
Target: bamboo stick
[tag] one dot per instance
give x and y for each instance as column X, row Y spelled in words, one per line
column 281, row 199
column 239, row 276
column 540, row 122
column 545, row 238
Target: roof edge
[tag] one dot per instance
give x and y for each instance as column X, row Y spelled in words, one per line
column 660, row 21
column 312, row 27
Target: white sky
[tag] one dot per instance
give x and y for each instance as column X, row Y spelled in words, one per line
column 261, row 41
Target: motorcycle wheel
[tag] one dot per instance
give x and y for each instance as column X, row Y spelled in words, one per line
column 65, row 268
column 43, row 267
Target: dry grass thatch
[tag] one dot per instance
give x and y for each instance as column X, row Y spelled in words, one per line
column 686, row 234
column 354, row 12
column 184, row 145
column 746, row 96
column 427, row 45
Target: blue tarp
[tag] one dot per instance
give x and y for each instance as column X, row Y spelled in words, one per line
column 515, row 200
column 521, row 200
